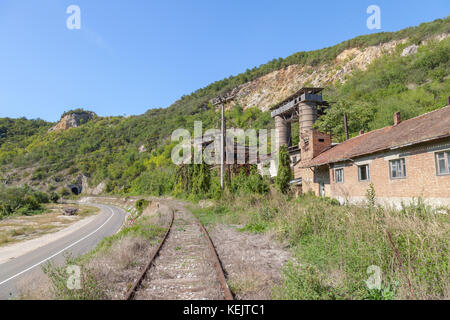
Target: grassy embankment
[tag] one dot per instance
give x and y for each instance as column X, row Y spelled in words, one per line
column 334, row 245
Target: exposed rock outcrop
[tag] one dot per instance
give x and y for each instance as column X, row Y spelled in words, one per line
column 86, row 190
column 98, row 190
column 142, row 149
column 274, row 87
column 73, row 120
column 410, row 50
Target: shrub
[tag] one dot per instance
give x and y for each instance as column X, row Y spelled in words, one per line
column 249, row 183
column 21, row 201
column 284, row 175
column 141, row 204
column 54, row 197
column 41, row 197
column 304, row 282
column 59, row 276
column 64, row 192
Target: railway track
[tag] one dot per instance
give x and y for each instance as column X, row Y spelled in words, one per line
column 185, row 264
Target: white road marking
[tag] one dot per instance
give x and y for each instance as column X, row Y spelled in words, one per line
column 59, row 252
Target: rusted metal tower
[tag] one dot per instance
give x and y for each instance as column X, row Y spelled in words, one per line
column 304, row 106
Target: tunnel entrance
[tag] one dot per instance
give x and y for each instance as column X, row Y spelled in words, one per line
column 76, row 190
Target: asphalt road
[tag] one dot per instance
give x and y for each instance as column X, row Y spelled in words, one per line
column 28, row 266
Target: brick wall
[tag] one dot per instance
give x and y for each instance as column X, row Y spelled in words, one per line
column 307, row 176
column 421, row 178
column 312, row 178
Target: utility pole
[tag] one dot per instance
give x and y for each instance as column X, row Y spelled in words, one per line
column 346, row 126
column 222, row 100
column 222, row 146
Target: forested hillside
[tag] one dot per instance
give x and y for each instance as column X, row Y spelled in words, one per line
column 16, row 131
column 131, row 155
column 412, row 84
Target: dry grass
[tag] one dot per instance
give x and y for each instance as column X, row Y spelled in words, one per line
column 34, row 286
column 252, row 261
column 117, row 268
column 250, row 283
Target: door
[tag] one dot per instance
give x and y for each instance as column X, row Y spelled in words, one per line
column 322, row 189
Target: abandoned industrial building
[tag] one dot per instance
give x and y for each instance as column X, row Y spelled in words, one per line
column 403, row 162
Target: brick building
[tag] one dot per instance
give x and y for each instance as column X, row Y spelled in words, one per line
column 410, row 159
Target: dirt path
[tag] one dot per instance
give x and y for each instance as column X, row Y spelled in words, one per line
column 183, row 269
column 252, row 262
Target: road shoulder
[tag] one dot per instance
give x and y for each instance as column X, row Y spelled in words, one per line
column 9, row 252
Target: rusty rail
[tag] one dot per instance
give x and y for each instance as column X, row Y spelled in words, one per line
column 218, row 265
column 220, row 273
column 401, row 265
column 130, row 294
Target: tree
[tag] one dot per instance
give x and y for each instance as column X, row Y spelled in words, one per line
column 359, row 115
column 54, row 197
column 284, row 175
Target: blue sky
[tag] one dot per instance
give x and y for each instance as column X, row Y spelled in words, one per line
column 130, row 56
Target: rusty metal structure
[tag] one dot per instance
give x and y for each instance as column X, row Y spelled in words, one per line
column 304, row 106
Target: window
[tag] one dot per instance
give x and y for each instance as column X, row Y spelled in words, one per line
column 294, row 159
column 397, row 169
column 443, row 163
column 363, row 173
column 339, row 175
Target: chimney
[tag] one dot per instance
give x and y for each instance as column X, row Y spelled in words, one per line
column 361, row 132
column 397, row 118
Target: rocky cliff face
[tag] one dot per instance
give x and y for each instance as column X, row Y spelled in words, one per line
column 73, row 120
column 274, row 87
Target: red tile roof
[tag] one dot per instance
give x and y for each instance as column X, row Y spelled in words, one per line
column 429, row 126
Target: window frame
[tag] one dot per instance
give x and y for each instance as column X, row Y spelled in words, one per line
column 335, row 175
column 403, row 162
column 446, row 162
column 367, row 172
